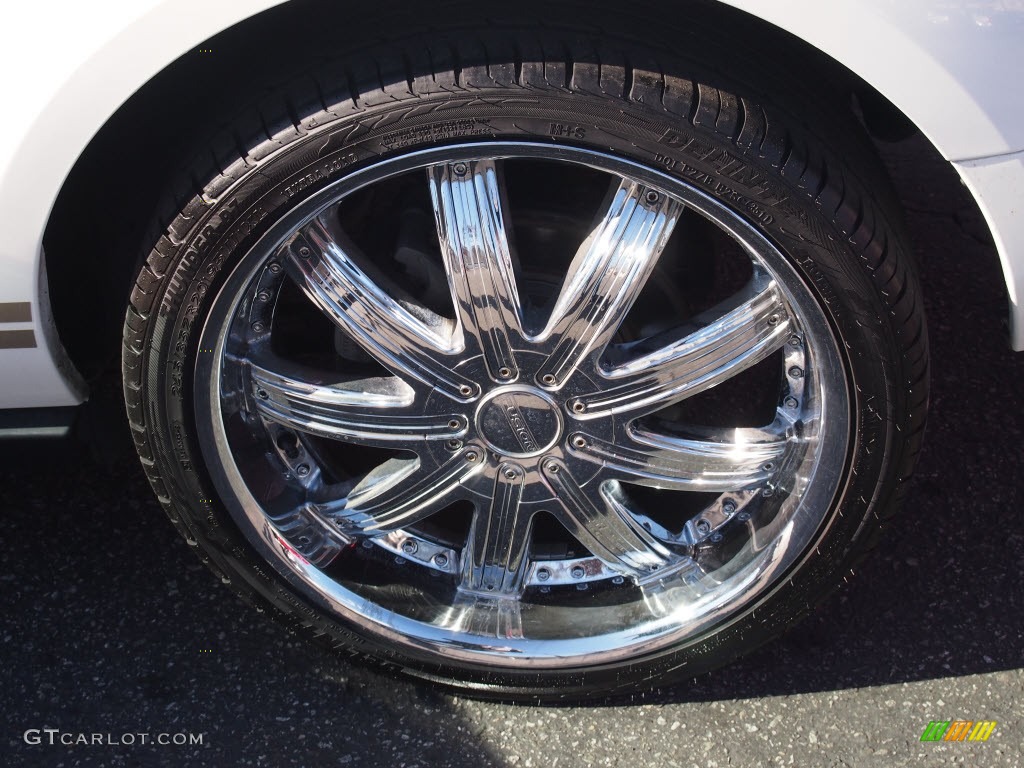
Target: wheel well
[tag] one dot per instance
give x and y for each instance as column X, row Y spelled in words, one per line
column 121, row 191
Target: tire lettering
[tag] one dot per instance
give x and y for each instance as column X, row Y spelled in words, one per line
column 319, row 174
column 436, row 132
column 665, row 160
column 568, row 130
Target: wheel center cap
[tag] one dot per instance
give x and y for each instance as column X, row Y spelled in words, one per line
column 518, row 421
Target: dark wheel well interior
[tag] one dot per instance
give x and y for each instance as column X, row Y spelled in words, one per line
column 122, row 189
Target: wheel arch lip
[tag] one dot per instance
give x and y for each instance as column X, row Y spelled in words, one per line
column 997, row 184
column 124, row 43
column 121, row 44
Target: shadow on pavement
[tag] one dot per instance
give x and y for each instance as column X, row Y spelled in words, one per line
column 109, row 624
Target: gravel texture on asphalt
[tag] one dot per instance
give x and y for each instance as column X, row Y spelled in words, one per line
column 109, row 624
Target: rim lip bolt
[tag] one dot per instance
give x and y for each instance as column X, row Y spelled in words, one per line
column 302, row 470
column 472, row 456
column 796, row 372
column 410, row 547
column 543, row 574
column 460, row 169
column 441, row 560
column 578, row 572
column 579, row 441
column 504, row 373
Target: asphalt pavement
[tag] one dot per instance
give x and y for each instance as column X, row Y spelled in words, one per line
column 109, row 625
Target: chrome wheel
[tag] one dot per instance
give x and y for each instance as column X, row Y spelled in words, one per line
column 458, row 441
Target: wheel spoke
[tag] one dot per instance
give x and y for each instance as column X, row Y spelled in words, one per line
column 662, row 461
column 609, row 532
column 469, row 211
column 365, row 411
column 405, row 338
column 662, row 596
column 495, row 559
column 400, row 493
column 737, row 340
column 302, row 531
column 606, row 276
column 484, row 616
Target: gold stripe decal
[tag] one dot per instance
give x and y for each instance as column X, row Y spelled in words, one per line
column 17, row 339
column 16, row 312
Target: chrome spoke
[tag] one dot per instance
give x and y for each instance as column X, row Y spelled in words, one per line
column 608, row 531
column 663, row 595
column 305, row 531
column 739, row 339
column 404, row 338
column 365, row 411
column 495, row 559
column 483, row 616
column 400, row 493
column 682, row 464
column 468, row 208
column 606, row 276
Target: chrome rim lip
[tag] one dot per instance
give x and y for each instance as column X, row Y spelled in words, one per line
column 786, row 540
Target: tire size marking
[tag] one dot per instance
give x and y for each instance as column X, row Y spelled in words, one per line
column 732, row 167
column 725, row 191
column 177, row 359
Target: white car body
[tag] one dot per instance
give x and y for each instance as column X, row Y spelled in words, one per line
column 951, row 67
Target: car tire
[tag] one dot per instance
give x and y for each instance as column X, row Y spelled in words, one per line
column 532, row 365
